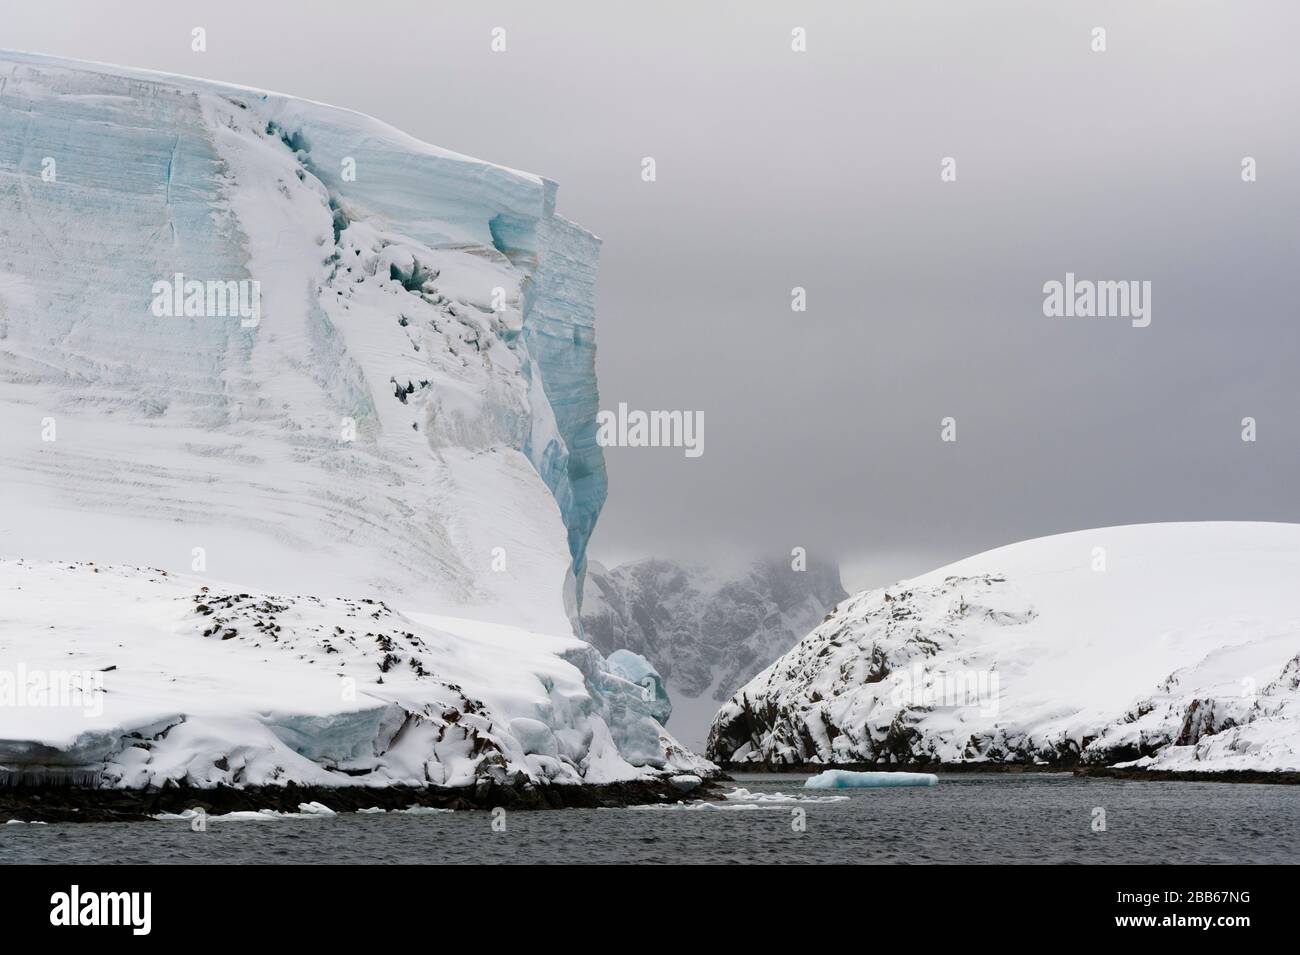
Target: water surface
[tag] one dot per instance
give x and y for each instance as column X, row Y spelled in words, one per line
column 975, row 818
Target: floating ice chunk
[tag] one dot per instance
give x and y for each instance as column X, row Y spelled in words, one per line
column 306, row 810
column 423, row 810
column 845, row 779
column 702, row 806
column 741, row 794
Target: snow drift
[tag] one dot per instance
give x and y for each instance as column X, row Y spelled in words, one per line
column 1166, row 646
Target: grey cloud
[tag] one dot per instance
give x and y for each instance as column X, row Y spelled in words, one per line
column 821, row 170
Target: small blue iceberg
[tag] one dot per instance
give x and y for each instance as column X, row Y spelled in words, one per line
column 844, row 779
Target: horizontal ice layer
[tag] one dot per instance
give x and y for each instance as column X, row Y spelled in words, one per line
column 423, row 354
column 1172, row 646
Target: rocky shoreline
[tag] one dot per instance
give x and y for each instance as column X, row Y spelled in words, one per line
column 1279, row 778
column 1098, row 772
column 85, row 804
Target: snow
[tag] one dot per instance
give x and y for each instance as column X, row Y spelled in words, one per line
column 206, row 687
column 847, row 779
column 1175, row 644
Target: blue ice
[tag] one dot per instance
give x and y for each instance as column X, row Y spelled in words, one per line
column 846, row 779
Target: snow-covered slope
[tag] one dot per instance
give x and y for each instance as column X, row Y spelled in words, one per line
column 402, row 417
column 133, row 677
column 1171, row 646
column 706, row 629
column 433, row 303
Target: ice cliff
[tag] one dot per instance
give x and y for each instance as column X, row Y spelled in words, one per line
column 426, row 329
column 1163, row 646
column 406, row 418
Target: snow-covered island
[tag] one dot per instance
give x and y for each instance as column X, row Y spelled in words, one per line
column 1162, row 647
column 297, row 436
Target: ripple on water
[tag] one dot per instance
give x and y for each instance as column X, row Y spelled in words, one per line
column 967, row 818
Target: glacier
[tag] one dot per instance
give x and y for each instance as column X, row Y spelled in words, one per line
column 409, row 422
column 1164, row 647
column 385, row 265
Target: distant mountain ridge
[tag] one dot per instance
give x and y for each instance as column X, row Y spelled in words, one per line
column 707, row 631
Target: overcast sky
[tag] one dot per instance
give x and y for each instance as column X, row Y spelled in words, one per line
column 822, row 170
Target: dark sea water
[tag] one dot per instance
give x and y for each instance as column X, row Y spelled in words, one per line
column 994, row 818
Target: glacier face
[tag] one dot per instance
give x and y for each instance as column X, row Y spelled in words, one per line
column 408, row 421
column 1164, row 646
column 434, row 304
